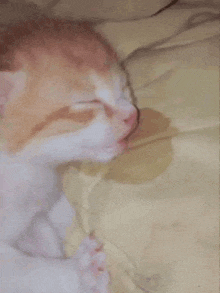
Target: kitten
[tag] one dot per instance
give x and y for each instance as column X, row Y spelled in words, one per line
column 67, row 100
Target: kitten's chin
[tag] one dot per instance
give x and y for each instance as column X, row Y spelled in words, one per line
column 109, row 153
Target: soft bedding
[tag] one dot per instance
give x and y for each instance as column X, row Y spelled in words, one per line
column 156, row 207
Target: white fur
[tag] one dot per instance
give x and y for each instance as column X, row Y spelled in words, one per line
column 34, row 213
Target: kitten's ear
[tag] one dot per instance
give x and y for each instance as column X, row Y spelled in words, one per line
column 11, row 84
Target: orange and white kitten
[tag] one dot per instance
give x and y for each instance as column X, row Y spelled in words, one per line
column 63, row 98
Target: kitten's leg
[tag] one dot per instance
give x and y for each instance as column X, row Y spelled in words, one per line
column 41, row 238
column 90, row 256
column 22, row 273
column 84, row 273
column 26, row 192
column 26, row 226
column 92, row 265
column 46, row 234
column 61, row 216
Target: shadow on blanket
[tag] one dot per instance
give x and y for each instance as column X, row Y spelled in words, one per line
column 149, row 153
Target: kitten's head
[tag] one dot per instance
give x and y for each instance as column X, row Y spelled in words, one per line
column 67, row 98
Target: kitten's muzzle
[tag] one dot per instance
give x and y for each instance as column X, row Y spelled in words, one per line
column 132, row 118
column 131, row 121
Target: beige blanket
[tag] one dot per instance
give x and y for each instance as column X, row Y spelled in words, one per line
column 155, row 207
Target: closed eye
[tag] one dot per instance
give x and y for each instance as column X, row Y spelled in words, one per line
column 95, row 101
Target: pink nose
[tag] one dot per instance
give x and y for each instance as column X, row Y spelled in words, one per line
column 131, row 119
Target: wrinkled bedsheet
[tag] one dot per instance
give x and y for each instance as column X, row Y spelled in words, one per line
column 156, row 207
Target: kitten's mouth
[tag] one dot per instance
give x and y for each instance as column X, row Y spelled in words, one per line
column 123, row 142
column 120, row 146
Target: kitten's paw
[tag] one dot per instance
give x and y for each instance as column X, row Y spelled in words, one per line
column 92, row 265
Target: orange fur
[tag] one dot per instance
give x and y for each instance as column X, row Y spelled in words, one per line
column 57, row 57
column 42, row 102
column 75, row 41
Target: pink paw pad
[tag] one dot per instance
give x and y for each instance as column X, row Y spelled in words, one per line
column 92, row 265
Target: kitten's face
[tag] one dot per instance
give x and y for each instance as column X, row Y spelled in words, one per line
column 90, row 123
column 113, row 117
column 59, row 112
